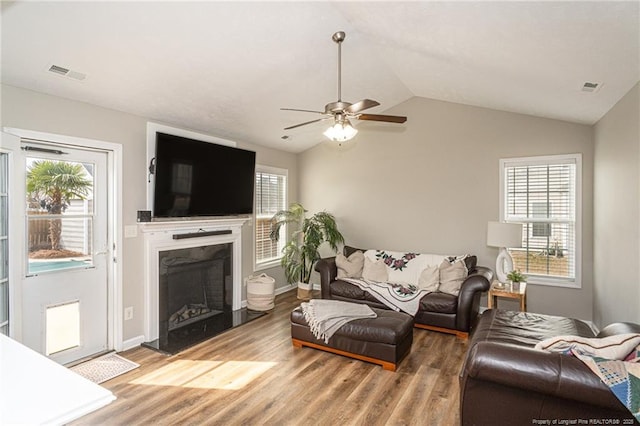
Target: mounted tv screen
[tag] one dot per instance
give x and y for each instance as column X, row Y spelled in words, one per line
column 195, row 178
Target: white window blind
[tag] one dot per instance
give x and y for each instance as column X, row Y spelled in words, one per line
column 542, row 194
column 271, row 190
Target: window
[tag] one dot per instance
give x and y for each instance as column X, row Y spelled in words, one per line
column 543, row 193
column 540, row 210
column 4, row 243
column 271, row 196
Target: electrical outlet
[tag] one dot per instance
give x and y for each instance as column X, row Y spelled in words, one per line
column 128, row 313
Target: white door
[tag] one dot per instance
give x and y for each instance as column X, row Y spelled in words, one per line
column 64, row 297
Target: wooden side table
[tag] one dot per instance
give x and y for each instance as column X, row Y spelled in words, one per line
column 505, row 290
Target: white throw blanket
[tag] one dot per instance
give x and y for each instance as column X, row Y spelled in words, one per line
column 396, row 296
column 325, row 317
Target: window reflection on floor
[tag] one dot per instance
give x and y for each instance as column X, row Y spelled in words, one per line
column 226, row 375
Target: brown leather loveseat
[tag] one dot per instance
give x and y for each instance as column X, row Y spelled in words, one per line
column 438, row 311
column 505, row 381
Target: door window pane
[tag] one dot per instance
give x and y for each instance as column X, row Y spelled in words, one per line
column 59, row 215
column 74, row 246
column 4, row 307
column 63, row 327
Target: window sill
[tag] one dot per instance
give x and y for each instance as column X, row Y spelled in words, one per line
column 551, row 282
column 266, row 265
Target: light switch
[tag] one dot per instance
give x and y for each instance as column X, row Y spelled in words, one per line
column 130, row 231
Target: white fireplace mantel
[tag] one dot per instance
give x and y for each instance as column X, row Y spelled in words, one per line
column 159, row 236
column 188, row 225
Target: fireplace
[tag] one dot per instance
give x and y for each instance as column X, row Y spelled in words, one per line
column 193, row 282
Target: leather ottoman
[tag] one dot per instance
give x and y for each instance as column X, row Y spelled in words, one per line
column 384, row 340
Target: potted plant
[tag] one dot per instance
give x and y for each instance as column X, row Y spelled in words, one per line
column 301, row 251
column 515, row 277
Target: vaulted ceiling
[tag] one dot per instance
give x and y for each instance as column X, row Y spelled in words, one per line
column 226, row 68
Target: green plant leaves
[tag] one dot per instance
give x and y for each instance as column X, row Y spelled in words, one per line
column 301, row 251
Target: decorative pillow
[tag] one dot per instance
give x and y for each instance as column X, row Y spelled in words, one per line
column 375, row 271
column 350, row 267
column 429, row 278
column 452, row 275
column 403, row 267
column 634, row 356
column 615, row 347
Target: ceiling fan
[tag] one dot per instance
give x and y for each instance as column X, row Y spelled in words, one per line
column 341, row 112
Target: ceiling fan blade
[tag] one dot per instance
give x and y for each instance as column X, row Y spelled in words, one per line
column 304, row 124
column 301, row 110
column 361, row 106
column 378, row 117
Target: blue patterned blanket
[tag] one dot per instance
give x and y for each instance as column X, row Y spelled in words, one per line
column 622, row 377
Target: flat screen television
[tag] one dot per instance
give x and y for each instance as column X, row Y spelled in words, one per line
column 195, row 178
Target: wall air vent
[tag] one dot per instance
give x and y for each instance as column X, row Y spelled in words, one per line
column 56, row 69
column 591, row 87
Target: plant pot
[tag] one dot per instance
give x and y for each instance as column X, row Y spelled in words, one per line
column 305, row 290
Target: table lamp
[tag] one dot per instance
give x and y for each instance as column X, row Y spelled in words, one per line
column 503, row 235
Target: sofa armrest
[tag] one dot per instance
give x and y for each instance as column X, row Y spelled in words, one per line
column 533, row 370
column 619, row 328
column 328, row 271
column 469, row 297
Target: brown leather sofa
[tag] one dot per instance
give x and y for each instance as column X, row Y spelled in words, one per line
column 438, row 311
column 505, row 381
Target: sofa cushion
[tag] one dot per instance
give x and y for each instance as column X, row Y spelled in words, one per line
column 429, row 278
column 470, row 262
column 452, row 275
column 350, row 267
column 374, row 270
column 525, row 328
column 439, row 302
column 347, row 290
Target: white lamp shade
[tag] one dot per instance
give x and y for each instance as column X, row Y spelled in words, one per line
column 341, row 131
column 501, row 234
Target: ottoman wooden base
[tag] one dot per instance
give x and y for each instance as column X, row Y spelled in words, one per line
column 384, row 340
column 385, row 365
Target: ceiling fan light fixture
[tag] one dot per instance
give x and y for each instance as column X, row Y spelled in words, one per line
column 341, row 111
column 341, row 131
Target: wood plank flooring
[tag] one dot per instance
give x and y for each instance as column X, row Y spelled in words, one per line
column 252, row 375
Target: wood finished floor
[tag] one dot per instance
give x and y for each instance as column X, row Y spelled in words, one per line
column 252, row 375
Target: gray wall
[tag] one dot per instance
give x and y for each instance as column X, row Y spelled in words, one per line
column 30, row 110
column 431, row 186
column 617, row 212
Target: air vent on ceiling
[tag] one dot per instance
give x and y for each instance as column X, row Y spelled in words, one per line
column 56, row 69
column 591, row 87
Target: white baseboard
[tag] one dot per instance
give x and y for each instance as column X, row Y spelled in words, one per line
column 132, row 343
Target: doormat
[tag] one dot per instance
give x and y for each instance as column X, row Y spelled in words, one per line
column 104, row 368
